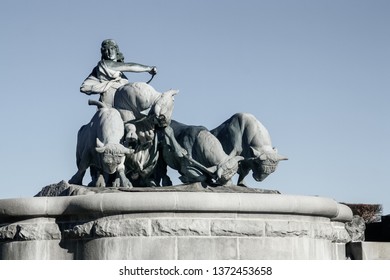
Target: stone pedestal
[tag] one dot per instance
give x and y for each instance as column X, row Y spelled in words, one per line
column 173, row 225
column 368, row 250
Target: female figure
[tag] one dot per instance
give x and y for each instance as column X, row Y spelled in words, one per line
column 108, row 75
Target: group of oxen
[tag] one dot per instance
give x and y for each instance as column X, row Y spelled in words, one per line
column 124, row 146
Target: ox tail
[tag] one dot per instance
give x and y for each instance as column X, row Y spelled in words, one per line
column 99, row 104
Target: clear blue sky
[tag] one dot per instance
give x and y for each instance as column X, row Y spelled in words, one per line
column 315, row 73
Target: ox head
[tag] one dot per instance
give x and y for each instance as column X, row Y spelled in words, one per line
column 162, row 109
column 265, row 163
column 112, row 155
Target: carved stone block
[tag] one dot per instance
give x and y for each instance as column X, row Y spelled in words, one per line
column 181, row 227
column 237, row 228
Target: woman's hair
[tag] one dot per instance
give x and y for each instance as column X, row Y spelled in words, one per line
column 110, row 42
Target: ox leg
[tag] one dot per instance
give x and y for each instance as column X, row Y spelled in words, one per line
column 99, row 179
column 149, row 182
column 166, row 181
column 243, row 171
column 83, row 161
column 191, row 175
column 77, row 178
column 100, row 182
column 122, row 180
column 177, row 150
column 126, row 115
column 224, row 182
column 94, row 176
column 160, row 173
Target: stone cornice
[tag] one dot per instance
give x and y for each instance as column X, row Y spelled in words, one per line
column 136, row 202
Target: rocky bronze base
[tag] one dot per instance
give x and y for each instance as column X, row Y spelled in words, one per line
column 64, row 189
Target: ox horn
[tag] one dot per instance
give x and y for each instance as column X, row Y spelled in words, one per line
column 255, row 152
column 172, row 92
column 99, row 143
column 126, row 151
column 280, row 157
column 99, row 146
column 99, row 104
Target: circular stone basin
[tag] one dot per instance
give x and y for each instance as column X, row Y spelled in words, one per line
column 182, row 224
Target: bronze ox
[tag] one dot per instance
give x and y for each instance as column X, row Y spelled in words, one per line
column 243, row 135
column 99, row 147
column 197, row 155
column 134, row 98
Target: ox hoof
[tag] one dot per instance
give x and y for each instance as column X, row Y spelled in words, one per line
column 122, row 184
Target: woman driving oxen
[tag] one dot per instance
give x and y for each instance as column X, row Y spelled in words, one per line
column 108, row 75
